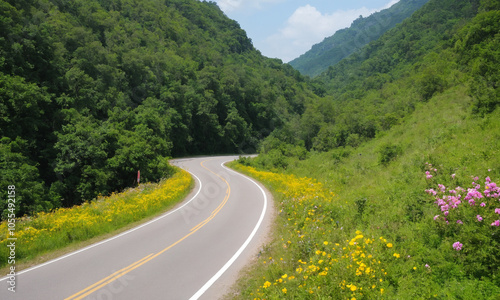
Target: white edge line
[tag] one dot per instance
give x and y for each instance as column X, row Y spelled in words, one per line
column 228, row 264
column 112, row 238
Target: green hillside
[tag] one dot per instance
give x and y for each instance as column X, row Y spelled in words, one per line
column 93, row 91
column 440, row 46
column 413, row 163
column 347, row 41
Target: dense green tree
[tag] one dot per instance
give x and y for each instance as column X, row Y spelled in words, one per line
column 479, row 46
column 18, row 170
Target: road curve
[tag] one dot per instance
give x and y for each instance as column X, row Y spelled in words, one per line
column 192, row 252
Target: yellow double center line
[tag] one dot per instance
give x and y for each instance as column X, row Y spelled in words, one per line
column 107, row 280
column 221, row 205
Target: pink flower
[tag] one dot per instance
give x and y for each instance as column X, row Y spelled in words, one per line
column 457, row 246
column 482, row 204
column 429, row 176
column 497, row 211
column 459, row 222
column 496, row 223
column 431, row 192
column 479, row 218
column 453, row 176
column 436, row 216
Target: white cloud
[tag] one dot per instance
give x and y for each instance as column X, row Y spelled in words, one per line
column 229, row 5
column 391, row 4
column 308, row 26
column 234, row 5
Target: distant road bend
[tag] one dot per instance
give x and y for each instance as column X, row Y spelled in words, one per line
column 194, row 251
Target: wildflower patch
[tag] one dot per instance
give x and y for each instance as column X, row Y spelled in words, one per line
column 311, row 264
column 48, row 231
column 469, row 218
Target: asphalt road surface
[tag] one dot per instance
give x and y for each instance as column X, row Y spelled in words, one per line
column 192, row 252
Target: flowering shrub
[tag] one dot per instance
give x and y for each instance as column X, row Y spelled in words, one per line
column 47, row 231
column 471, row 216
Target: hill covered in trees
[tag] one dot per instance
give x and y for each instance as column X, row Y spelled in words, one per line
column 349, row 40
column 444, row 44
column 93, row 91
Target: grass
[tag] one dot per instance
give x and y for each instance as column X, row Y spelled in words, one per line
column 48, row 232
column 380, row 198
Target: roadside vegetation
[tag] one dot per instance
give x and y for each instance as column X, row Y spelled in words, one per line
column 384, row 234
column 407, row 138
column 46, row 232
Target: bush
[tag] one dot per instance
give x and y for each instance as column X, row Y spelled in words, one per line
column 470, row 220
column 389, row 152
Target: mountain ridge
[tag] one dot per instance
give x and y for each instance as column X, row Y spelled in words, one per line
column 348, row 40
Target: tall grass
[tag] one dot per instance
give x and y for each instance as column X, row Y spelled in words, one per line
column 64, row 226
column 379, row 199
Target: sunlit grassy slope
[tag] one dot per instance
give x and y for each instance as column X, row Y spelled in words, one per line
column 380, row 199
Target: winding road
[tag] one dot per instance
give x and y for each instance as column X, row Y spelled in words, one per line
column 194, row 251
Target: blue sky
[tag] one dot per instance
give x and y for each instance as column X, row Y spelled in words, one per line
column 286, row 29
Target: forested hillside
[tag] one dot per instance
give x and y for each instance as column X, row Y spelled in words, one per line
column 94, row 90
column 444, row 44
column 349, row 40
